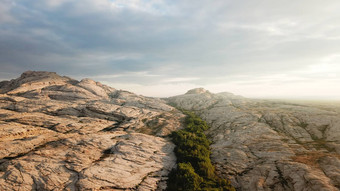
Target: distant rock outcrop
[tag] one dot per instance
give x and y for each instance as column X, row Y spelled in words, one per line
column 197, row 91
column 57, row 133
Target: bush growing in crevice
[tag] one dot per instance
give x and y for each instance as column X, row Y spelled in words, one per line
column 194, row 169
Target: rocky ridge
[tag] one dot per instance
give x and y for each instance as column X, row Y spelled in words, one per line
column 57, row 133
column 270, row 145
column 63, row 134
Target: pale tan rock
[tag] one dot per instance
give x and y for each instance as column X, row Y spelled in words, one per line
column 60, row 134
column 268, row 145
column 131, row 161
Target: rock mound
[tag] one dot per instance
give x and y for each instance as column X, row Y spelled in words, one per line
column 32, row 80
column 59, row 133
column 197, row 91
column 49, row 85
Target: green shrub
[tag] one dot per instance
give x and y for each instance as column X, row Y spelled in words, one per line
column 194, row 170
column 184, row 178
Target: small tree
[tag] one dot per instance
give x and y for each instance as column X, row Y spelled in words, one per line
column 184, row 178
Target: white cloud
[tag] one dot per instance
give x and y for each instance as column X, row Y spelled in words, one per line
column 149, row 6
column 5, row 12
column 282, row 27
column 173, row 80
column 322, row 89
column 157, row 90
column 244, row 47
column 140, row 74
column 55, row 3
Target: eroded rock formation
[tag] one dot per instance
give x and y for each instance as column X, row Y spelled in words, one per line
column 268, row 145
column 57, row 133
column 63, row 134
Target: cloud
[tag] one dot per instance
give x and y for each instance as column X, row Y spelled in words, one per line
column 5, row 12
column 172, row 80
column 155, row 90
column 155, row 42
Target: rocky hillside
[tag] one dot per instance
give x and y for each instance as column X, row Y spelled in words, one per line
column 267, row 145
column 57, row 133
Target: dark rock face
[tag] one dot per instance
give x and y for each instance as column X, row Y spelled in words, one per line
column 55, row 133
column 267, row 145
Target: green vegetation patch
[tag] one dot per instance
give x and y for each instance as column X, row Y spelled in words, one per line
column 194, row 169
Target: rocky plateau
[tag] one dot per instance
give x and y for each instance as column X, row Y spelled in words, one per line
column 270, row 145
column 57, row 133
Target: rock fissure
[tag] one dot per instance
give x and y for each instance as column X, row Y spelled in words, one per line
column 74, row 182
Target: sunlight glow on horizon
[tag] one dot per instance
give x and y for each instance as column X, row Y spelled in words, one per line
column 272, row 49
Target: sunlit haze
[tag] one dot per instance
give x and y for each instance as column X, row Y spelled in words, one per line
column 257, row 49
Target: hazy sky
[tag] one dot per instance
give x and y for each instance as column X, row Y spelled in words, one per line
column 264, row 48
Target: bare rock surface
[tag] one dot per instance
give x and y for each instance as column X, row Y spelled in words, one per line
column 270, row 145
column 57, row 133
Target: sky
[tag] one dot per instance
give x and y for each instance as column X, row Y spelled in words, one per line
column 161, row 48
